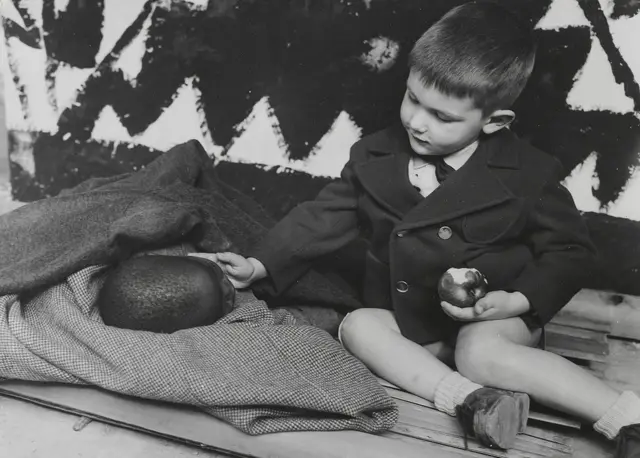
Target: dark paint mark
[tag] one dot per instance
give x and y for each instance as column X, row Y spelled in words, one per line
column 107, row 86
column 304, row 56
column 20, row 87
column 617, row 240
column 276, row 192
column 541, row 110
column 625, row 8
column 30, row 37
column 621, row 70
column 62, row 164
column 51, row 69
column 74, row 35
column 572, row 135
column 28, row 21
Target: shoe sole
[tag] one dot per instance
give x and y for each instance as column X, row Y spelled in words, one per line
column 524, row 403
column 499, row 426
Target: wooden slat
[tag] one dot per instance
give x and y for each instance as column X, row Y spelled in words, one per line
column 614, row 360
column 194, row 427
column 622, row 368
column 408, row 439
column 573, row 342
column 615, row 314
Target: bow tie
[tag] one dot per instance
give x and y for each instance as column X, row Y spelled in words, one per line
column 443, row 170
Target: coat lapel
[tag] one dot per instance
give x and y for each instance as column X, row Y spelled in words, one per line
column 386, row 180
column 385, row 177
column 473, row 187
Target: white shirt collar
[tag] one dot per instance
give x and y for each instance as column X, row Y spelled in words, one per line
column 455, row 160
column 460, row 157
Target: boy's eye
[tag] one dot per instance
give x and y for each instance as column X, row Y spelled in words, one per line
column 412, row 97
column 443, row 118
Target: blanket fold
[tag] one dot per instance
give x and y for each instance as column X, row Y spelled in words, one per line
column 256, row 368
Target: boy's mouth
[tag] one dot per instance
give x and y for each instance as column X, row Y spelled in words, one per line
column 415, row 136
column 419, row 140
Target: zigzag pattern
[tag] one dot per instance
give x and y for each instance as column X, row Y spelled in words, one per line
column 305, row 59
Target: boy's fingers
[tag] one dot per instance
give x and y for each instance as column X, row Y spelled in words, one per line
column 482, row 306
column 230, row 258
column 457, row 313
column 210, row 256
column 230, row 269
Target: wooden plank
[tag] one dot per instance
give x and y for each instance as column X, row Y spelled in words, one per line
column 589, row 444
column 622, row 368
column 616, row 314
column 573, row 342
column 194, row 427
column 420, row 442
column 28, row 430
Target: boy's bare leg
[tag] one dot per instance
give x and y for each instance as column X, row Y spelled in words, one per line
column 498, row 354
column 494, row 417
column 374, row 337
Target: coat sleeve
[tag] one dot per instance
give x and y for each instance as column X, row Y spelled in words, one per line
column 312, row 229
column 563, row 254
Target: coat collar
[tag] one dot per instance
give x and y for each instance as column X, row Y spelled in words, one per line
column 473, row 187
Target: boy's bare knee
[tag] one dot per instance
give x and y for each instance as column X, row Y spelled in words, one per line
column 478, row 354
column 362, row 324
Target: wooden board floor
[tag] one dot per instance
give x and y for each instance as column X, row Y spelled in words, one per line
column 594, row 330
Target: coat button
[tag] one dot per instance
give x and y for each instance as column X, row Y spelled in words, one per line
column 445, row 232
column 402, row 287
column 401, row 233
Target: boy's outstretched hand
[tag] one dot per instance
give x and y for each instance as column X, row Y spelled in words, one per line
column 496, row 305
column 241, row 271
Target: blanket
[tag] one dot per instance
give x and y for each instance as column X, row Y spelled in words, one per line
column 256, row 368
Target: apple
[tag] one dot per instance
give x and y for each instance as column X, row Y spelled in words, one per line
column 462, row 287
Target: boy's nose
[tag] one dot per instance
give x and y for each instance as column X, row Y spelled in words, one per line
column 418, row 124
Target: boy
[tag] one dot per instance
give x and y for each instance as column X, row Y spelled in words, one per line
column 452, row 187
column 164, row 293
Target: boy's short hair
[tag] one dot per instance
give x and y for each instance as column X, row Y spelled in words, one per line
column 478, row 50
column 164, row 294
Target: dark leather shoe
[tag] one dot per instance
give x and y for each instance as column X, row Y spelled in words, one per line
column 523, row 405
column 628, row 442
column 493, row 416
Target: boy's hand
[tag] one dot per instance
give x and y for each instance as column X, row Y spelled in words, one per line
column 241, row 271
column 496, row 305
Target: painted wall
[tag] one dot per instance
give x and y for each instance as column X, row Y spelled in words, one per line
column 278, row 91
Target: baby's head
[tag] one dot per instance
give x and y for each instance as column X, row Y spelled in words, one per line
column 466, row 71
column 164, row 294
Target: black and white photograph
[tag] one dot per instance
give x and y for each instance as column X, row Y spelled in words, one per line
column 320, row 228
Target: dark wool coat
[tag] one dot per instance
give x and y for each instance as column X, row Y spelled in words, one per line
column 503, row 212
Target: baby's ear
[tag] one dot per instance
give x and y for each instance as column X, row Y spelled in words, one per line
column 499, row 119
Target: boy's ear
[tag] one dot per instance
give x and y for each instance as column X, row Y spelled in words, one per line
column 498, row 120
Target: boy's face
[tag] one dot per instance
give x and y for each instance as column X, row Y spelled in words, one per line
column 438, row 124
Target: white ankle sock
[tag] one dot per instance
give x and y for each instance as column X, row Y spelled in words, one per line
column 452, row 391
column 625, row 411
